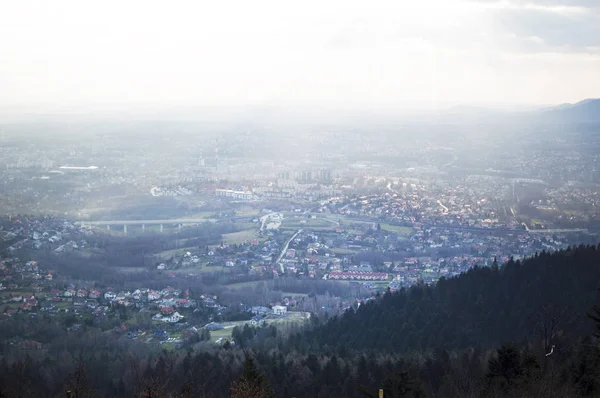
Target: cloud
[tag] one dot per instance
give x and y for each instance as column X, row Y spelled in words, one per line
column 539, row 26
column 548, row 4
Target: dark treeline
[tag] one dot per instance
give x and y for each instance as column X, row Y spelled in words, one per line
column 520, row 330
column 482, row 308
column 122, row 369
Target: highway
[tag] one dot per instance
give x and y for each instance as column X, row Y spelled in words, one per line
column 285, row 247
column 149, row 222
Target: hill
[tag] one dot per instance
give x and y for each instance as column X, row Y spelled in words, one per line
column 586, row 111
column 482, row 308
column 541, row 303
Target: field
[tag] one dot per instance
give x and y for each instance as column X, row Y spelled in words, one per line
column 247, row 211
column 175, row 252
column 309, row 223
column 240, row 236
column 200, row 269
column 217, row 334
column 290, row 317
column 399, row 229
column 242, row 285
column 339, row 250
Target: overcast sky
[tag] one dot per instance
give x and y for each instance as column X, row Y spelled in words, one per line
column 373, row 53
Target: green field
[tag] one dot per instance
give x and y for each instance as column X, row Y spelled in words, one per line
column 217, row 334
column 291, row 294
column 339, row 250
column 247, row 211
column 242, row 285
column 399, row 229
column 175, row 252
column 312, row 223
column 240, row 236
column 202, row 269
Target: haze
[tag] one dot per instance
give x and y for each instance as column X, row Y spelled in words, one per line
column 391, row 54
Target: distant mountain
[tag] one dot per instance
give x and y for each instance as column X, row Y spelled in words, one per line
column 586, row 111
column 482, row 308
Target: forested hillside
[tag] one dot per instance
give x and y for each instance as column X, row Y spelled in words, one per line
column 482, row 308
column 519, row 330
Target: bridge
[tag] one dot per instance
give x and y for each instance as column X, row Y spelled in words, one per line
column 177, row 221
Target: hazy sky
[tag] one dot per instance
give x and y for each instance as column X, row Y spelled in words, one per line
column 375, row 53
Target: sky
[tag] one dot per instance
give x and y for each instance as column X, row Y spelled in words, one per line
column 377, row 54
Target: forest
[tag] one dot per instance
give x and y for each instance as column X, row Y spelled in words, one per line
column 520, row 329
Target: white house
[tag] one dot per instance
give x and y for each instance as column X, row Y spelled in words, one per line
column 109, row 296
column 279, row 310
column 173, row 318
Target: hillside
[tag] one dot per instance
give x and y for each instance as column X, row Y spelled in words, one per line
column 586, row 111
column 483, row 308
column 362, row 351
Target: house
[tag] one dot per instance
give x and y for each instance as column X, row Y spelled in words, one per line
column 230, row 263
column 260, row 310
column 173, row 318
column 157, row 317
column 153, row 296
column 94, row 294
column 82, row 293
column 167, row 310
column 279, row 310
column 257, row 320
column 110, row 296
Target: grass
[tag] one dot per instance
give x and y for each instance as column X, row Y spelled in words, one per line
column 202, row 214
column 174, row 252
column 312, row 223
column 202, row 269
column 399, row 229
column 292, row 294
column 217, row 334
column 247, row 211
column 240, row 236
column 339, row 250
column 242, row 285
column 13, row 305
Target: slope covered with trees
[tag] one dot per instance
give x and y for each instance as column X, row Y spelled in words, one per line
column 483, row 308
column 526, row 329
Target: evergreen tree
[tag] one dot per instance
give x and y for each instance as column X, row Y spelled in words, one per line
column 251, row 383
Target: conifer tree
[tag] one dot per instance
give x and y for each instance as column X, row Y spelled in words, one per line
column 251, row 383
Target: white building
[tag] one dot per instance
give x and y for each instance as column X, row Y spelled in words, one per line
column 173, row 318
column 230, row 193
column 279, row 310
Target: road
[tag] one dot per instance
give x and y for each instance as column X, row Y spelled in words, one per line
column 285, row 247
column 264, row 220
column 439, row 202
column 149, row 222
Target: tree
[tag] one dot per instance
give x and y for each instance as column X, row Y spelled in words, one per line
column 595, row 316
column 506, row 368
column 78, row 386
column 251, row 383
